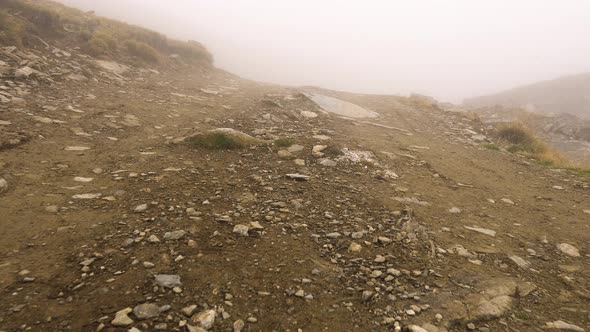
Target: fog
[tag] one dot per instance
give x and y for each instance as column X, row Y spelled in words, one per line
column 448, row 49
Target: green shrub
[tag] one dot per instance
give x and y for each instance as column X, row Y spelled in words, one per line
column 142, row 50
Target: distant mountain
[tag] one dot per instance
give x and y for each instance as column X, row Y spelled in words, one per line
column 568, row 94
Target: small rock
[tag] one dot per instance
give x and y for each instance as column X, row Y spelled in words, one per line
column 168, row 280
column 205, row 319
column 3, row 185
column 174, row 235
column 568, row 249
column 239, row 325
column 284, row 154
column 354, row 247
column 521, row 262
column 122, row 318
column 83, row 179
column 146, row 311
column 52, row 209
column 188, row 311
column 563, row 326
column 153, row 239
column 241, row 230
column 366, row 295
column 308, row 114
column 384, row 240
column 455, row 210
column 140, row 208
column 482, row 230
column 298, row 177
column 507, row 201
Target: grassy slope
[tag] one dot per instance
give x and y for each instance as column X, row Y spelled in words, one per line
column 22, row 20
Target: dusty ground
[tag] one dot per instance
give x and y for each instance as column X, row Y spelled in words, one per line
column 417, row 264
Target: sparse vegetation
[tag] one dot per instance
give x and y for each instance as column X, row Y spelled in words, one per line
column 284, row 142
column 522, row 140
column 142, row 50
column 216, row 141
column 491, row 146
column 98, row 36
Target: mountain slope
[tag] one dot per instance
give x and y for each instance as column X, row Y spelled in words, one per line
column 569, row 94
column 113, row 218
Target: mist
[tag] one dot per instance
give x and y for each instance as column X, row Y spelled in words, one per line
column 447, row 49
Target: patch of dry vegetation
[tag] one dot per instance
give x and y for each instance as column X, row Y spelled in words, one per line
column 20, row 19
column 523, row 141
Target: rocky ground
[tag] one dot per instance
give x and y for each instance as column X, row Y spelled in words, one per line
column 111, row 222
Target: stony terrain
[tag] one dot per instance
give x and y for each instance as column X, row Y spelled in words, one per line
column 112, row 221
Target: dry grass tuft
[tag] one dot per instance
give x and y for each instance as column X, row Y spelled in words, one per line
column 523, row 141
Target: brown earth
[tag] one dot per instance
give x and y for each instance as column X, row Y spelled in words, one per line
column 409, row 257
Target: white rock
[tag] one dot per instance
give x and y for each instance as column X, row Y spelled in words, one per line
column 76, row 148
column 205, row 319
column 83, row 179
column 482, row 230
column 3, row 185
column 121, row 318
column 455, row 210
column 23, row 72
column 308, row 114
column 507, row 201
column 241, row 230
column 298, row 177
column 521, row 262
column 563, row 326
column 140, row 208
column 568, row 249
column 354, row 247
column 87, row 196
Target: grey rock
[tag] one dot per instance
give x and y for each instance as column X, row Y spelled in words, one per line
column 333, row 235
column 174, row 235
column 146, row 311
column 168, row 280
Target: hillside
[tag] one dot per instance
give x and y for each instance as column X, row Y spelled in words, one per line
column 169, row 195
column 569, row 94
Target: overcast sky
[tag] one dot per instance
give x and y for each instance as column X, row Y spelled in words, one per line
column 450, row 49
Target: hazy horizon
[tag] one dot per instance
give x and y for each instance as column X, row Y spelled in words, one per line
column 450, row 50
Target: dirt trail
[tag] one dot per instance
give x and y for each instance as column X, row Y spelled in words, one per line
column 375, row 240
